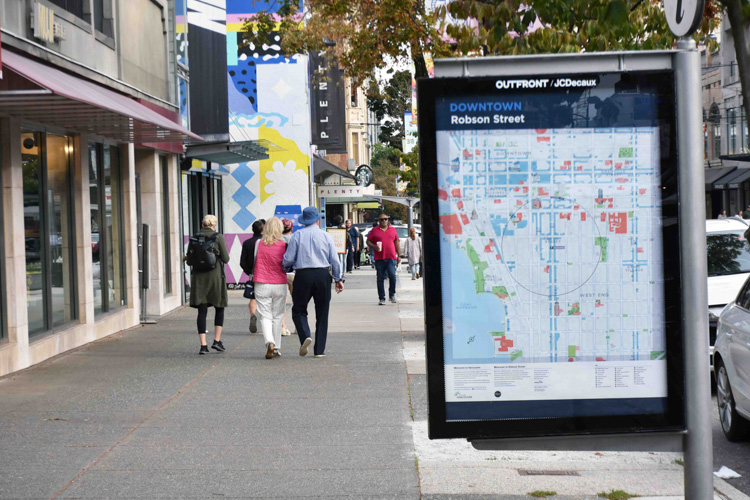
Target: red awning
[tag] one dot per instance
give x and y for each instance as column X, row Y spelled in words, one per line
column 71, row 103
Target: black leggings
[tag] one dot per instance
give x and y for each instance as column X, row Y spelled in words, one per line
column 203, row 312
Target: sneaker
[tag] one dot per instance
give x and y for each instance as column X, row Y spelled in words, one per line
column 204, row 349
column 319, row 356
column 381, row 302
column 253, row 324
column 393, row 299
column 269, row 350
column 413, row 278
column 285, row 332
column 218, row 345
column 276, row 353
column 305, row 345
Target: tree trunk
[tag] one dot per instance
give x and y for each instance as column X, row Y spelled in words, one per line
column 417, row 56
column 741, row 49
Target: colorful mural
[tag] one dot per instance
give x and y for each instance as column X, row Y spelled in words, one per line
column 267, row 102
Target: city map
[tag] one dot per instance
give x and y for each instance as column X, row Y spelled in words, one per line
column 551, row 245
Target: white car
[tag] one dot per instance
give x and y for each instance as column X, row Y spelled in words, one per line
column 732, row 367
column 728, row 266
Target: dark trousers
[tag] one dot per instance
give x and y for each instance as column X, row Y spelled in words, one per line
column 358, row 258
column 202, row 316
column 313, row 283
column 383, row 267
column 349, row 260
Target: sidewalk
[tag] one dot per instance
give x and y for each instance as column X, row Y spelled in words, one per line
column 141, row 415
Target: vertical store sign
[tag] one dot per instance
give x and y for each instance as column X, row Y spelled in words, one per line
column 553, row 297
column 44, row 25
column 328, row 106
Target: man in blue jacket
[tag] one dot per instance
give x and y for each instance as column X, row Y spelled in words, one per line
column 312, row 255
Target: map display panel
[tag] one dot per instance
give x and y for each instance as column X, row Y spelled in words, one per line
column 551, row 244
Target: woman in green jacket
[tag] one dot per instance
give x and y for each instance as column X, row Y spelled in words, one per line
column 209, row 288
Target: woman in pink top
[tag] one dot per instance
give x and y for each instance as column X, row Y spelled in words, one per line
column 271, row 284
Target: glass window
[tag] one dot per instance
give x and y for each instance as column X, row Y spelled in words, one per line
column 727, row 253
column 75, row 7
column 167, row 227
column 103, row 17
column 732, row 130
column 49, row 231
column 116, row 290
column 717, row 141
column 107, row 237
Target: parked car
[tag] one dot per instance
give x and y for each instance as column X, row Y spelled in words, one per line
column 732, row 366
column 728, row 257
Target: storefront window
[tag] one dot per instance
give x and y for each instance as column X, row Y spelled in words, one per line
column 107, row 239
column 166, row 222
column 717, row 141
column 49, row 230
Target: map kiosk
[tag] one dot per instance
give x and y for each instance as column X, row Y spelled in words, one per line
column 564, row 306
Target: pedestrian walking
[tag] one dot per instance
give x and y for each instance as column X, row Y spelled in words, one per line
column 352, row 244
column 414, row 253
column 384, row 241
column 360, row 247
column 271, row 285
column 312, row 255
column 287, row 235
column 207, row 284
column 247, row 262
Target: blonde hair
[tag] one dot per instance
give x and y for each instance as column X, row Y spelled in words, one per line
column 272, row 231
column 209, row 221
column 413, row 233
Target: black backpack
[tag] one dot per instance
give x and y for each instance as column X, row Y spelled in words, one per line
column 202, row 252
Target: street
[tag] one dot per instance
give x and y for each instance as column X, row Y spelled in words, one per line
column 735, row 456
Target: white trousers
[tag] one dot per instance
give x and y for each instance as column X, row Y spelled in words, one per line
column 271, row 301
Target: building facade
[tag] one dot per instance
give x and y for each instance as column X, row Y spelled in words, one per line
column 90, row 138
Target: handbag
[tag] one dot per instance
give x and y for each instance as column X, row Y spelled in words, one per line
column 249, row 292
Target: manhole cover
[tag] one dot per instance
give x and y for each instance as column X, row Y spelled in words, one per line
column 524, row 472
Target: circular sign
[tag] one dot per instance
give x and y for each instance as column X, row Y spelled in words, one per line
column 364, row 175
column 683, row 16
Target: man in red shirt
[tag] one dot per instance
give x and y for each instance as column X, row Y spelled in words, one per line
column 384, row 241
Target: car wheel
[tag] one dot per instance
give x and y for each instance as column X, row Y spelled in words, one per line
column 734, row 426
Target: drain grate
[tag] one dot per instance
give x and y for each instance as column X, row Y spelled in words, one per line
column 525, row 472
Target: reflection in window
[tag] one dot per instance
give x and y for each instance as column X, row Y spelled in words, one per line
column 727, row 253
column 48, row 226
column 107, row 243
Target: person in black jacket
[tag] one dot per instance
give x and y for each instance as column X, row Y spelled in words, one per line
column 247, row 263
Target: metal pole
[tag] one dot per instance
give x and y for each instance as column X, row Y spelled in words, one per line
column 697, row 442
column 410, row 213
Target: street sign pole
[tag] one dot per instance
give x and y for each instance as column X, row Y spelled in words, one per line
column 698, row 478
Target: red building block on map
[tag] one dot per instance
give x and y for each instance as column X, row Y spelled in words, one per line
column 604, row 217
column 583, row 216
column 487, row 249
column 443, row 195
column 618, row 223
column 456, row 193
column 460, row 204
column 503, row 344
column 465, row 219
column 542, row 139
column 450, row 224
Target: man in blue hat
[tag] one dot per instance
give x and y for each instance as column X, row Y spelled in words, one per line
column 312, row 254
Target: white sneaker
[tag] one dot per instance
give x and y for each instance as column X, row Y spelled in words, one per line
column 285, row 332
column 319, row 356
column 305, row 345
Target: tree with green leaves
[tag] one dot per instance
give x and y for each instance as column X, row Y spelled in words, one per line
column 389, row 105
column 738, row 14
column 385, row 168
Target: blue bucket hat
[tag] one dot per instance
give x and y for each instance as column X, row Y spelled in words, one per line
column 310, row 215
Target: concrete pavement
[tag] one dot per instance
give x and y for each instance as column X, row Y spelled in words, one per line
column 141, row 415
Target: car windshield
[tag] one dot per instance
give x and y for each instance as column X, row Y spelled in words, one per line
column 403, row 232
column 728, row 253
